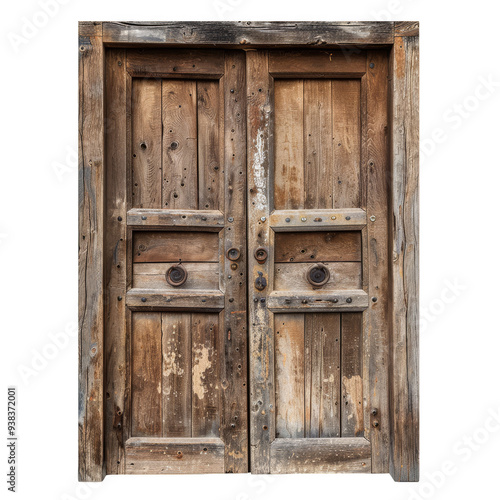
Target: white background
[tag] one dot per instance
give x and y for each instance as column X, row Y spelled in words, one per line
column 460, row 176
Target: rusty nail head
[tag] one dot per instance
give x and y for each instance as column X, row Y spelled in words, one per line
column 234, row 266
column 143, row 299
column 348, row 300
column 375, row 424
column 263, row 219
column 374, row 411
column 318, row 219
column 287, row 219
column 143, row 217
column 333, row 217
column 230, row 219
column 372, row 218
column 303, row 219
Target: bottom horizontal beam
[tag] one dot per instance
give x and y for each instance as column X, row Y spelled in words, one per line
column 149, row 455
column 320, row 455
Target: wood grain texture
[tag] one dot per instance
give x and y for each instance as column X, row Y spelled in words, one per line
column 209, row 171
column 261, row 355
column 146, row 390
column 293, row 276
column 170, row 246
column 347, row 219
column 318, row 63
column 174, row 456
column 346, row 96
column 233, row 333
column 117, row 178
column 313, row 455
column 352, row 375
column 180, row 144
column 146, row 143
column 201, row 276
column 139, row 299
column 318, row 301
column 289, row 367
column 289, row 150
column 404, row 459
column 205, row 375
column 238, row 34
column 91, row 187
column 175, row 63
column 176, row 388
column 209, row 220
column 344, row 246
column 377, row 324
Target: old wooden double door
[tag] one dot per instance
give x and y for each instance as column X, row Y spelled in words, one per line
column 246, row 261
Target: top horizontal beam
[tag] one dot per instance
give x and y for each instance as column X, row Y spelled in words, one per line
column 245, row 34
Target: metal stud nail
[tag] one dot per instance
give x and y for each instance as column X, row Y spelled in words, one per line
column 143, row 299
column 372, row 65
column 348, row 300
column 263, row 300
column 203, row 218
column 374, row 299
column 303, row 219
column 143, row 217
column 263, row 219
column 231, row 300
column 232, row 91
column 372, row 218
column 256, row 300
column 335, row 300
column 120, row 218
column 119, row 297
column 348, row 218
column 333, row 217
column 304, row 301
column 287, row 219
column 230, row 219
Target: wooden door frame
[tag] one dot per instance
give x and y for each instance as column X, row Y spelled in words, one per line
column 402, row 39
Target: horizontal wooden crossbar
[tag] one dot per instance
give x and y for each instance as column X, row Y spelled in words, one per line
column 157, row 218
column 148, row 455
column 147, row 299
column 312, row 220
column 320, row 455
column 338, row 301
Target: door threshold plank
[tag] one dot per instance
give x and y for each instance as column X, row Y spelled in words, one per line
column 158, row 218
column 338, row 301
column 148, row 299
column 320, row 455
column 149, row 455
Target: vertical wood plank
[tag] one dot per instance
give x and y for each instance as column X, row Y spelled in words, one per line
column 146, row 374
column 205, row 375
column 352, row 381
column 209, row 171
column 313, row 365
column 146, row 143
column 115, row 258
column 289, row 359
column 177, row 380
column 234, row 420
column 404, row 460
column 289, row 150
column 330, row 377
column 318, row 161
column 346, row 143
column 377, row 333
column 180, row 157
column 90, row 254
column 260, row 157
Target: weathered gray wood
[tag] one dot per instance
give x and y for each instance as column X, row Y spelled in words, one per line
column 404, row 455
column 174, row 455
column 261, row 355
column 318, row 301
column 210, row 219
column 238, row 34
column 234, row 347
column 320, row 455
column 154, row 299
column 90, row 254
column 405, row 28
column 318, row 220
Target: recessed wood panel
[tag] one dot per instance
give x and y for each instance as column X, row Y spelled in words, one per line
column 319, row 389
column 340, row 246
column 175, row 374
column 317, row 143
column 172, row 246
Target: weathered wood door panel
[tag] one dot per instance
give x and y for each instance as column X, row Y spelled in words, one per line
column 176, row 262
column 248, row 248
column 318, row 206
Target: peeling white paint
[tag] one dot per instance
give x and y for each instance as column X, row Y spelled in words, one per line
column 201, row 363
column 258, row 170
